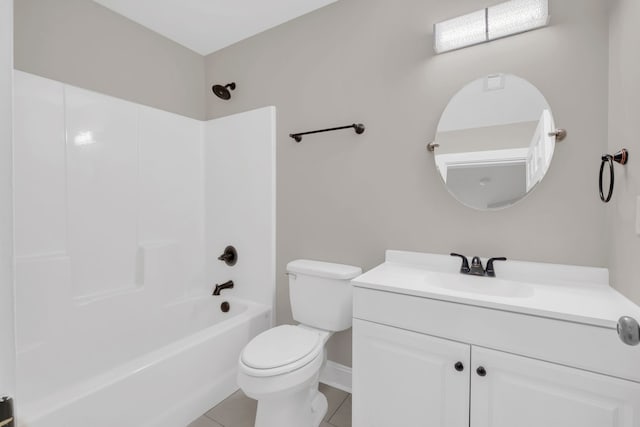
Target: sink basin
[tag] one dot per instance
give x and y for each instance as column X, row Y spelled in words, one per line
column 555, row 291
column 488, row 286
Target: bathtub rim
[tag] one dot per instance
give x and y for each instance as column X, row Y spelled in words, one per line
column 40, row 409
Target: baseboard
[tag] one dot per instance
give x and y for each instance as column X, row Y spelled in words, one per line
column 336, row 375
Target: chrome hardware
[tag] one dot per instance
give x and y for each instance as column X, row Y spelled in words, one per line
column 560, row 134
column 629, row 330
column 432, row 146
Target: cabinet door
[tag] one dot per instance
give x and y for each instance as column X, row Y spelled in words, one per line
column 406, row 379
column 523, row 392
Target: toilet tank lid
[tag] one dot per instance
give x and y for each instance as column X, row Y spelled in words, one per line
column 326, row 270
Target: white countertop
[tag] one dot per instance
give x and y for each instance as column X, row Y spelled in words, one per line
column 563, row 292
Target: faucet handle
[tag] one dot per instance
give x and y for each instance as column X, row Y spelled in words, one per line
column 230, row 256
column 464, row 268
column 490, row 271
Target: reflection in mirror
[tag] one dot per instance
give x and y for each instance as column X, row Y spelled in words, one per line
column 494, row 141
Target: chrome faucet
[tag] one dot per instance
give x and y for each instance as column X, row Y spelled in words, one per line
column 225, row 285
column 476, row 268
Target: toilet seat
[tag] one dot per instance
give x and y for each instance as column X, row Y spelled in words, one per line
column 280, row 350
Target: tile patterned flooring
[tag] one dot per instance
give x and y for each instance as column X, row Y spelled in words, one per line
column 240, row 411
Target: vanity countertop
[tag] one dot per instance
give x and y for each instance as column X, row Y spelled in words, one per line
column 563, row 292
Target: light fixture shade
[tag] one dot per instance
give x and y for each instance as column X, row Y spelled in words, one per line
column 459, row 32
column 501, row 20
column 516, row 16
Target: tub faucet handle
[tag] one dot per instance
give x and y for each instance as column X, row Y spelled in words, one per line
column 230, row 256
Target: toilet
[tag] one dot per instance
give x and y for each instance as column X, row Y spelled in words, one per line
column 280, row 367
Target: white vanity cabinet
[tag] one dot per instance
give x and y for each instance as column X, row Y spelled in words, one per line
column 425, row 358
column 408, row 377
column 523, row 392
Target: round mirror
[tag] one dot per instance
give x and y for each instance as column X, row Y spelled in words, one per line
column 495, row 141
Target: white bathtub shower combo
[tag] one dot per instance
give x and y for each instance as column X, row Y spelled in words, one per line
column 121, row 212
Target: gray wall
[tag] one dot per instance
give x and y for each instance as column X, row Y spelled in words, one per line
column 347, row 198
column 624, row 131
column 84, row 44
column 7, row 337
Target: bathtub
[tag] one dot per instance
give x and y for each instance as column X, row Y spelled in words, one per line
column 167, row 386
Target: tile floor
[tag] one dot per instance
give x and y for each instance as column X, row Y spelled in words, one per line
column 240, row 411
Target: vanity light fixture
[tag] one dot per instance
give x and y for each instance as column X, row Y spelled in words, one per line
column 502, row 20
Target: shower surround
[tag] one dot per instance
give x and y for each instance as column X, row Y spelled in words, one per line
column 121, row 211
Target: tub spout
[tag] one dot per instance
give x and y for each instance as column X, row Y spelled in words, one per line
column 225, row 285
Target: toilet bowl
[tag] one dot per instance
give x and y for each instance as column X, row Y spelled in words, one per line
column 280, row 367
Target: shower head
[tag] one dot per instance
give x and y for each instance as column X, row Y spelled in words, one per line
column 223, row 92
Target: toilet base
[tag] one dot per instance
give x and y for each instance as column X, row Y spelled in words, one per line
column 319, row 406
column 305, row 408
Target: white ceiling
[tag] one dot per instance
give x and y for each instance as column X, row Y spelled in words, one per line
column 209, row 25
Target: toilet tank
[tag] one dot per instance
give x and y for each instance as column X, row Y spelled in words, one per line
column 320, row 293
